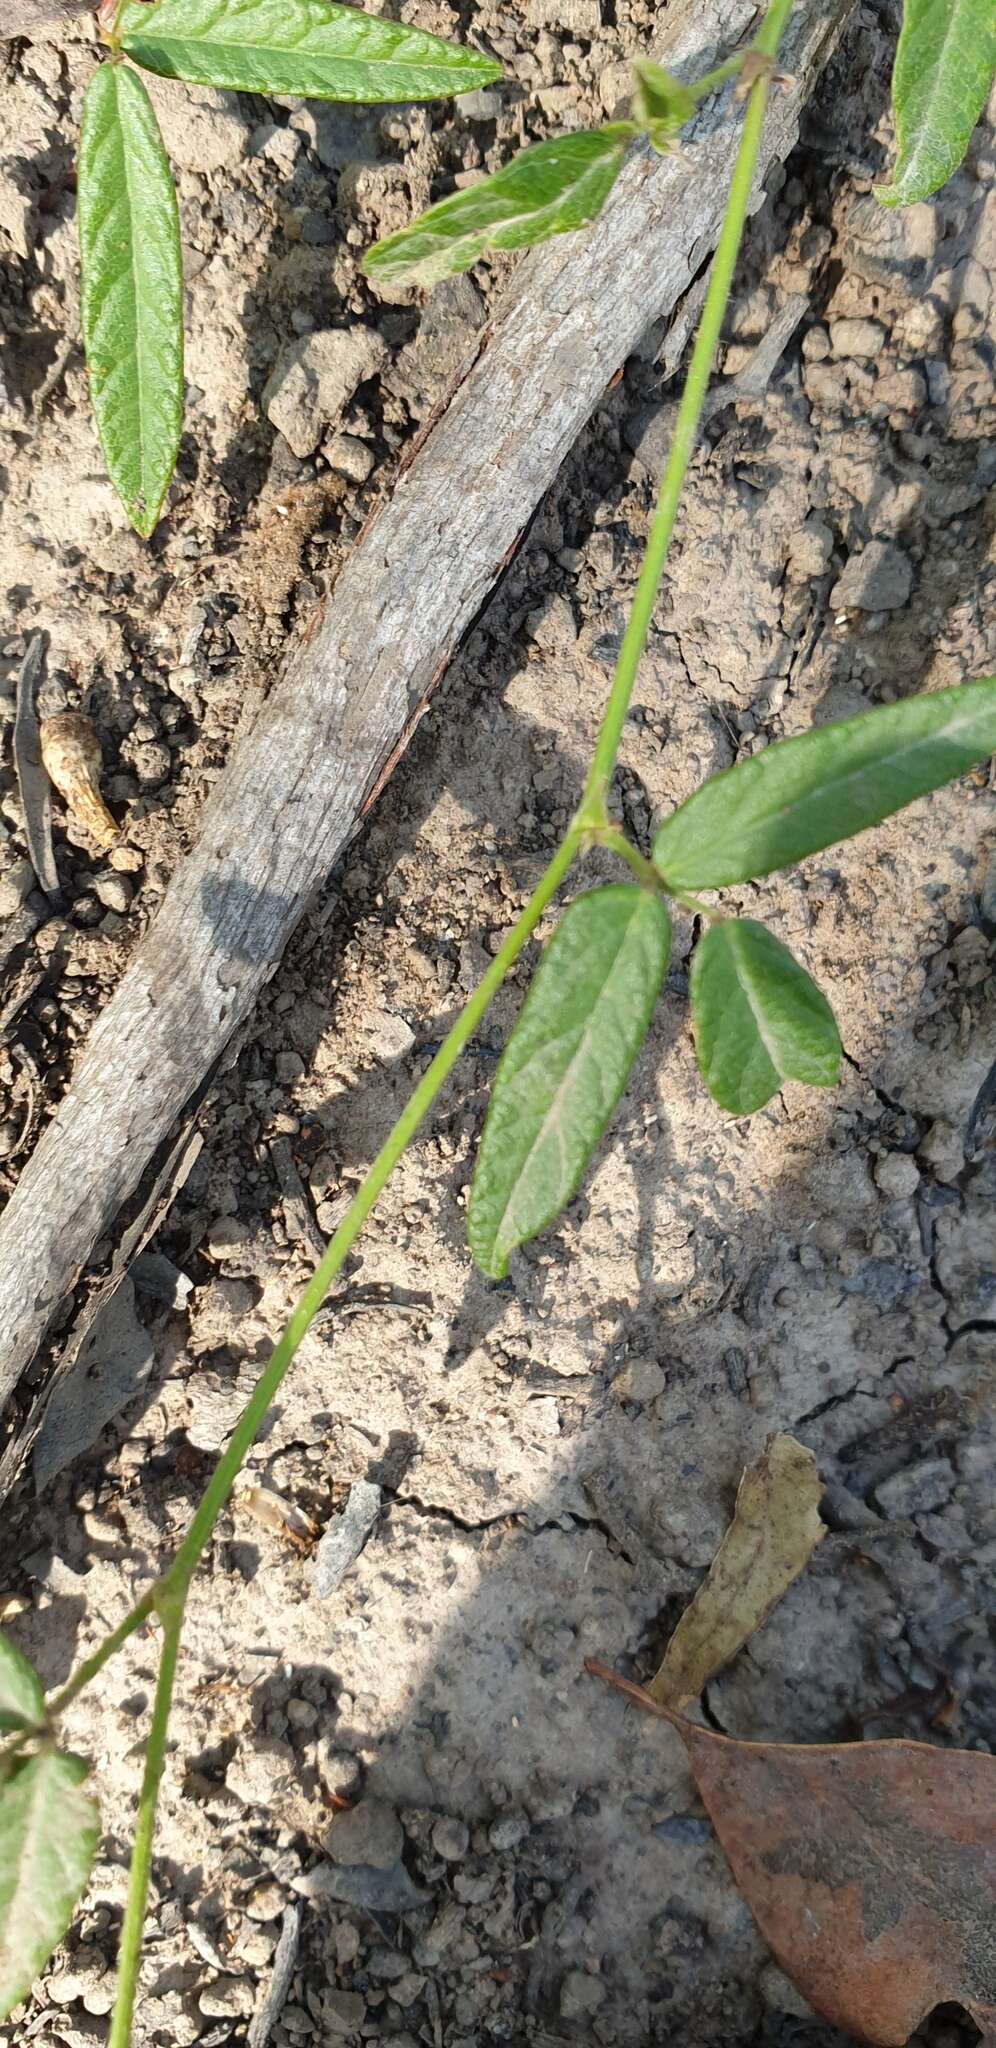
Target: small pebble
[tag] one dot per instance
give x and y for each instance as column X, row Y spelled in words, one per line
column 861, row 338
column 345, row 2011
column 226, row 1998
column 349, row 456
column 370, row 1833
column 450, row 1838
column 877, row 578
column 897, row 1174
column 113, row 891
column 339, row 1772
column 509, row 1831
column 580, row 1995
column 265, row 1901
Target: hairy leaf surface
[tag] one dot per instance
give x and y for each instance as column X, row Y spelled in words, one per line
column 22, row 1702
column 758, row 1018
column 132, row 290
column 302, row 47
column 547, row 190
column 565, row 1065
column 805, row 793
column 49, row 1828
column 943, row 70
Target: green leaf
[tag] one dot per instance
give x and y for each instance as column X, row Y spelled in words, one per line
column 548, row 190
column 22, row 1702
column 565, row 1065
column 49, row 1829
column 943, row 71
column 805, row 793
column 132, row 290
column 758, row 1018
column 302, row 47
column 660, row 104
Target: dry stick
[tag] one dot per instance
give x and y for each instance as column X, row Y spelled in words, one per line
column 349, row 699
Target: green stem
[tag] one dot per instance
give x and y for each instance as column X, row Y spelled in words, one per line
column 230, row 1463
column 592, row 809
column 130, row 1950
column 616, row 842
column 91, row 1665
column 168, row 1595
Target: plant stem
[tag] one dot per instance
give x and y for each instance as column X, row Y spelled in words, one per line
column 616, row 842
column 168, row 1596
column 91, row 1665
column 130, row 1951
column 592, row 809
column 230, row 1463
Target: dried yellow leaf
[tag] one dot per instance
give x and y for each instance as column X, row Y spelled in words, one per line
column 774, row 1531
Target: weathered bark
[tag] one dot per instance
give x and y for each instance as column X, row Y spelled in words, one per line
column 348, row 701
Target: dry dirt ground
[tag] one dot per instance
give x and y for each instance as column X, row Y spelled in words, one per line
column 557, row 1456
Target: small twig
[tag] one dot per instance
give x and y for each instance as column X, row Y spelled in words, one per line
column 636, row 1693
column 54, row 374
column 34, row 785
column 300, row 1222
column 273, row 1994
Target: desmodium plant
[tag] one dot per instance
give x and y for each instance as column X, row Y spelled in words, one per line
column 757, row 1018
column 129, row 230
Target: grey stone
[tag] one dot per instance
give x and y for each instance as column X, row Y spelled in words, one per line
column 390, row 1036
column 15, row 884
column 345, row 2011
column 369, row 1833
column 641, row 1380
column 987, row 893
column 261, row 1775
column 897, row 1174
column 265, row 1901
column 338, row 1770
column 380, row 1891
column 113, row 891
column 344, row 1538
column 580, row 1995
column 552, row 626
column 450, row 1838
column 860, row 338
column 349, row 456
column 226, row 1998
column 916, row 1489
column 942, row 1150
column 877, row 578
column 479, row 105
column 314, row 380
column 114, row 1362
column 509, row 1831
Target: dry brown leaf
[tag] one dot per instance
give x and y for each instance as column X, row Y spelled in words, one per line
column 774, row 1531
column 870, row 1868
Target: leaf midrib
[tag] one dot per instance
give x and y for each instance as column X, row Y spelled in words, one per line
column 143, row 507
column 920, row 146
column 741, row 968
column 143, row 39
